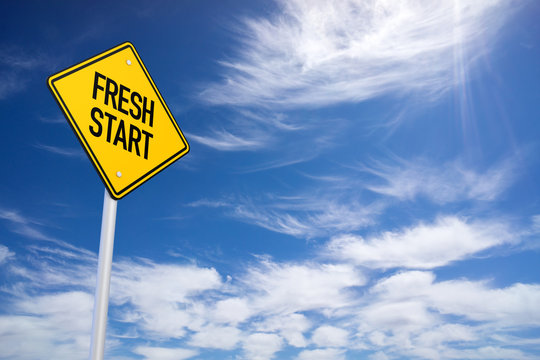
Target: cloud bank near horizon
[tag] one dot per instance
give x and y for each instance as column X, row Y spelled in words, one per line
column 321, row 307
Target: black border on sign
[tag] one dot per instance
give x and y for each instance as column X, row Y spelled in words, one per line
column 79, row 134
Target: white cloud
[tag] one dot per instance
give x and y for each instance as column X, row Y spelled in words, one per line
column 379, row 356
column 53, row 120
column 488, row 353
column 50, row 296
column 535, row 223
column 58, row 325
column 442, row 184
column 510, row 306
column 288, row 159
column 275, row 120
column 225, row 141
column 69, row 310
column 163, row 301
column 17, row 64
column 330, row 336
column 58, row 268
column 302, row 215
column 397, row 317
column 410, row 314
column 446, row 333
column 154, row 292
column 317, row 53
column 23, row 226
column 423, row 246
column 262, row 346
column 309, row 309
column 337, row 204
column 16, row 58
column 231, row 311
column 212, row 337
column 290, row 288
column 67, row 152
column 161, row 353
column 321, row 354
column 5, row 254
column 31, row 229
column 475, row 300
column 10, row 83
column 290, row 326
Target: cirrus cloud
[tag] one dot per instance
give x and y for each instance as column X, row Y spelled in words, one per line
column 423, row 246
column 316, row 53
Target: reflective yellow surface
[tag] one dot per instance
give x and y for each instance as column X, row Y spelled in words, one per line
column 119, row 117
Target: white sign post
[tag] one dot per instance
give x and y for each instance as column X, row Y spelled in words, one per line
column 101, row 301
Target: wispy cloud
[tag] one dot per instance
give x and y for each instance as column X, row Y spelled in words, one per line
column 310, row 220
column 274, row 119
column 67, row 152
column 300, row 215
column 449, row 182
column 15, row 63
column 17, row 58
column 317, row 53
column 5, row 254
column 225, row 141
column 357, row 196
column 24, row 226
column 32, row 229
column 10, row 83
column 535, row 219
column 280, row 163
column 247, row 130
column 424, row 246
column 53, row 120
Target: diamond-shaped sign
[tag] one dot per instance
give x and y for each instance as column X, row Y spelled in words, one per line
column 119, row 117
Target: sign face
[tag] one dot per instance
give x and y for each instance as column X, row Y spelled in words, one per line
column 119, row 117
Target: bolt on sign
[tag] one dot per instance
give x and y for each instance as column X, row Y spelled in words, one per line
column 119, row 117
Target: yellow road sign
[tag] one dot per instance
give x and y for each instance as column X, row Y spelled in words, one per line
column 119, row 117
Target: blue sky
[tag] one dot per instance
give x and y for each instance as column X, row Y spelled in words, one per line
column 362, row 183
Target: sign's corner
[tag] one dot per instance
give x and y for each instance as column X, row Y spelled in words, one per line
column 126, row 43
column 50, row 81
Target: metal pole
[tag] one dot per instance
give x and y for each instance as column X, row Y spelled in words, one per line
column 101, row 301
